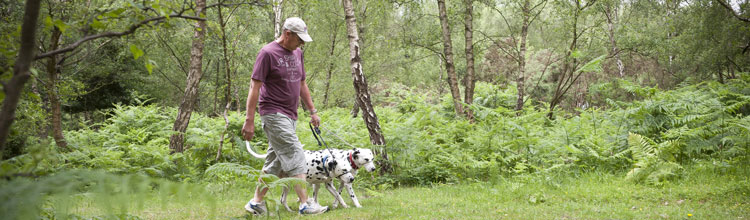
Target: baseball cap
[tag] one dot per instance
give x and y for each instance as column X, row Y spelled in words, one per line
column 298, row 26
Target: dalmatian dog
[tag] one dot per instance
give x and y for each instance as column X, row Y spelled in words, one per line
column 323, row 166
column 356, row 158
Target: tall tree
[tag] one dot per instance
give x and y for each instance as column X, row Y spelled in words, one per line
column 570, row 72
column 529, row 12
column 469, row 80
column 53, row 72
column 611, row 10
column 362, row 30
column 228, row 75
column 177, row 140
column 277, row 10
column 13, row 87
column 448, row 57
column 360, row 85
column 330, row 64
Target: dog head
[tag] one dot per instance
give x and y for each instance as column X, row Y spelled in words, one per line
column 363, row 158
column 341, row 170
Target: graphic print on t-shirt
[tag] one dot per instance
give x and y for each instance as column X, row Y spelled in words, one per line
column 291, row 65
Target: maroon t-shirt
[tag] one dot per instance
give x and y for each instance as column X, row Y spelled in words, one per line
column 281, row 72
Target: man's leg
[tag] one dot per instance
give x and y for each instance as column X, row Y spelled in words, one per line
column 260, row 192
column 301, row 191
column 256, row 204
column 307, row 206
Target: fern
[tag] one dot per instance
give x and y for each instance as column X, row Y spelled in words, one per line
column 653, row 163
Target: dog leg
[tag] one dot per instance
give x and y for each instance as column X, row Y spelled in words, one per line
column 284, row 193
column 340, row 190
column 316, row 186
column 336, row 195
column 351, row 194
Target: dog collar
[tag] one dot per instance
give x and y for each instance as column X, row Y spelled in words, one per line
column 324, row 165
column 351, row 161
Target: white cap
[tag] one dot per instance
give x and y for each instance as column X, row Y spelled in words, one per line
column 298, row 26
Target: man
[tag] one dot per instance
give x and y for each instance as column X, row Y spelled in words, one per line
column 278, row 82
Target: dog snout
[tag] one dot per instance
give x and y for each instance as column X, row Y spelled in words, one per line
column 351, row 179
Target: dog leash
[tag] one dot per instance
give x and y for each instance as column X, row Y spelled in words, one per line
column 319, row 138
column 341, row 139
column 351, row 161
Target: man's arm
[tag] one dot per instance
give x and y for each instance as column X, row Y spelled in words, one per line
column 304, row 93
column 248, row 128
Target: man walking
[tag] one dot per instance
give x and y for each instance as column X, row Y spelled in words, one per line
column 278, row 83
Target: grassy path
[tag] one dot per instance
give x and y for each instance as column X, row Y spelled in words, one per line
column 700, row 194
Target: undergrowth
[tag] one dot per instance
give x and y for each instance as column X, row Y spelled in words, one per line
column 648, row 141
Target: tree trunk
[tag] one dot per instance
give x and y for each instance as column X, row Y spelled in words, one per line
column 568, row 75
column 520, row 80
column 448, row 54
column 611, row 14
column 21, row 73
column 469, row 78
column 360, row 86
column 177, row 141
column 55, row 112
column 223, row 133
column 277, row 18
column 330, row 65
column 228, row 88
column 355, row 108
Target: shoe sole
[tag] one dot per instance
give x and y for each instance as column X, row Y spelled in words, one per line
column 327, row 209
column 252, row 211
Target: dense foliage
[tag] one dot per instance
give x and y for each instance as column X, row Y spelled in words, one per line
column 637, row 89
column 428, row 144
column 648, row 141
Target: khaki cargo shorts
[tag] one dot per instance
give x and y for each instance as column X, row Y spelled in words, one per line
column 285, row 155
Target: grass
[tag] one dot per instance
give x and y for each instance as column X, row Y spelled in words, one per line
column 703, row 192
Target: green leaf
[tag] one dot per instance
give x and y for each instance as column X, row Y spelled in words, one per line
column 48, row 22
column 96, row 24
column 137, row 53
column 576, row 54
column 32, row 95
column 61, row 25
column 593, row 65
column 34, row 72
column 149, row 67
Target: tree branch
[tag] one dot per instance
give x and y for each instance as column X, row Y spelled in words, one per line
column 130, row 30
column 734, row 13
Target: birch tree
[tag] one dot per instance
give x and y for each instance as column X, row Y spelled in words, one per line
column 469, row 80
column 448, row 57
column 360, row 85
column 177, row 140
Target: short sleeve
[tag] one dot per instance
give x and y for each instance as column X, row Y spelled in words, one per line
column 262, row 66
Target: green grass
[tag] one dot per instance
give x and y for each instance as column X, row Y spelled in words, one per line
column 704, row 192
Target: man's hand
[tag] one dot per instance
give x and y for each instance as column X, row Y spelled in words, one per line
column 248, row 129
column 315, row 119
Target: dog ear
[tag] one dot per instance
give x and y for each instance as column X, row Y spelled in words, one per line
column 331, row 165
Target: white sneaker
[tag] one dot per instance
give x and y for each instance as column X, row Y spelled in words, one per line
column 256, row 208
column 311, row 208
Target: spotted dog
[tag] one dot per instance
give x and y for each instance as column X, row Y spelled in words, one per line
column 356, row 158
column 322, row 167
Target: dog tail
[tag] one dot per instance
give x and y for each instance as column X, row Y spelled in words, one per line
column 250, row 149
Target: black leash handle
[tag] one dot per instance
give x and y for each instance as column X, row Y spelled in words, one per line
column 319, row 138
column 316, row 133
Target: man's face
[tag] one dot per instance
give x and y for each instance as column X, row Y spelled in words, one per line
column 297, row 42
